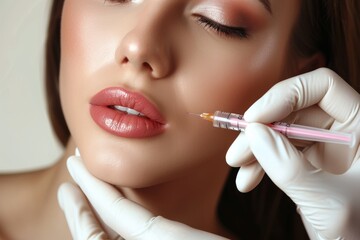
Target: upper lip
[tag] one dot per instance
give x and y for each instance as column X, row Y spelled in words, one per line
column 118, row 96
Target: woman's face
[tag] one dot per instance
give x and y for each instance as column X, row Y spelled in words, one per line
column 160, row 60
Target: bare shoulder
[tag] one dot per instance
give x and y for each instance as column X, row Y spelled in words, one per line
column 23, row 196
column 15, row 183
column 14, row 188
column 28, row 201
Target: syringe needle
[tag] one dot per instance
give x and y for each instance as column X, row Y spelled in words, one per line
column 195, row 114
column 205, row 116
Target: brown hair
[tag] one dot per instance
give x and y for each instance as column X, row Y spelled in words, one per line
column 333, row 28
column 52, row 70
column 344, row 37
column 328, row 26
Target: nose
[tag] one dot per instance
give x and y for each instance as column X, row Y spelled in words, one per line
column 146, row 46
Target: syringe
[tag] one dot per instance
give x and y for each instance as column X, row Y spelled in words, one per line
column 236, row 122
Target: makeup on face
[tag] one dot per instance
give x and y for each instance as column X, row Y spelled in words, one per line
column 130, row 71
column 126, row 114
column 233, row 15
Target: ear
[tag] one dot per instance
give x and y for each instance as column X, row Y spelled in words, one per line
column 308, row 64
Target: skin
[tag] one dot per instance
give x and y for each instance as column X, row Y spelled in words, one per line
column 93, row 53
column 181, row 66
column 167, row 58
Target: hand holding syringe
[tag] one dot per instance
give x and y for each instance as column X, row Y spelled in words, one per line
column 236, row 122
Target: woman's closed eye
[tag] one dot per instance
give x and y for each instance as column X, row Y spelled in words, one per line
column 220, row 29
column 121, row 1
column 116, row 1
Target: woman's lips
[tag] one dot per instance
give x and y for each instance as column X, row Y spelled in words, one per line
column 104, row 111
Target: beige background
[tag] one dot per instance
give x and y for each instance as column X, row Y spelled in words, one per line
column 26, row 138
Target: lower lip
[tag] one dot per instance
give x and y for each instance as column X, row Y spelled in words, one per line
column 125, row 125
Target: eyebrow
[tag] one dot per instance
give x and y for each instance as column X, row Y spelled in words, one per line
column 267, row 5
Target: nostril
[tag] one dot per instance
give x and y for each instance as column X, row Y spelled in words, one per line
column 125, row 60
column 147, row 66
column 144, row 65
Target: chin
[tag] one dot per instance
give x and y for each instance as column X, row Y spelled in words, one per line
column 125, row 172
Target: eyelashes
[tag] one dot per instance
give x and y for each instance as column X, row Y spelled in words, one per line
column 207, row 23
column 117, row 1
column 222, row 30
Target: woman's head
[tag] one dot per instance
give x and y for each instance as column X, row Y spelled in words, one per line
column 181, row 56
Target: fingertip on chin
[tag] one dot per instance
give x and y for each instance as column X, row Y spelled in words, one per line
column 72, row 162
column 77, row 152
column 63, row 189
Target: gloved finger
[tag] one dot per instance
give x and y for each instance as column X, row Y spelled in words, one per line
column 239, row 152
column 282, row 162
column 324, row 88
column 127, row 218
column 249, row 176
column 120, row 214
column 310, row 116
column 79, row 216
column 107, row 229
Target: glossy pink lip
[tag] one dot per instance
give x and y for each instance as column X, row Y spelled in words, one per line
column 120, row 123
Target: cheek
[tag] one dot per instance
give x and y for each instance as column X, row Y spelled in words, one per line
column 83, row 34
column 83, row 53
column 210, row 80
column 232, row 80
column 72, row 59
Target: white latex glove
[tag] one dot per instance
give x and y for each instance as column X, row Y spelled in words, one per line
column 123, row 218
column 322, row 179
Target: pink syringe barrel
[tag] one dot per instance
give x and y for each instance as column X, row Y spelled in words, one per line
column 236, row 122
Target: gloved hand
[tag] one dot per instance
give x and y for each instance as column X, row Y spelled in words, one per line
column 118, row 217
column 322, row 179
